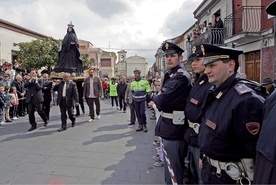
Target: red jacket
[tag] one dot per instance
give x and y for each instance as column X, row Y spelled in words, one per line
column 104, row 85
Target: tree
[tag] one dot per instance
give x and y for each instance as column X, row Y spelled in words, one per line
column 39, row 53
column 85, row 60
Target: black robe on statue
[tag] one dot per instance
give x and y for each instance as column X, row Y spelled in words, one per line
column 69, row 55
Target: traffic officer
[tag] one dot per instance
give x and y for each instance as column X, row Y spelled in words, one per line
column 265, row 168
column 232, row 117
column 193, row 110
column 140, row 89
column 171, row 123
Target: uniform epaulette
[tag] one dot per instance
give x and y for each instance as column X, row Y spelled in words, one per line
column 242, row 89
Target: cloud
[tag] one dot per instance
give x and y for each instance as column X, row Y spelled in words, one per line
column 107, row 8
column 179, row 21
column 138, row 25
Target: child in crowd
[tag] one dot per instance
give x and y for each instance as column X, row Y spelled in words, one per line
column 2, row 103
column 8, row 103
column 160, row 155
column 14, row 102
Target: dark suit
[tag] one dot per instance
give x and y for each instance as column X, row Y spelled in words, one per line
column 34, row 99
column 80, row 91
column 67, row 103
column 46, row 90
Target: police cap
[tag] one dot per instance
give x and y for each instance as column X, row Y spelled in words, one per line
column 170, row 48
column 212, row 53
column 271, row 8
column 197, row 52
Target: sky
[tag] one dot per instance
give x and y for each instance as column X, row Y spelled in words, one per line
column 137, row 26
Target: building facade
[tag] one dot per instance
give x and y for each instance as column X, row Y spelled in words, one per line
column 136, row 62
column 102, row 61
column 246, row 26
column 10, row 35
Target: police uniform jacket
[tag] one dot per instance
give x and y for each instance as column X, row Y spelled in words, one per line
column 174, row 93
column 231, row 122
column 267, row 141
column 193, row 109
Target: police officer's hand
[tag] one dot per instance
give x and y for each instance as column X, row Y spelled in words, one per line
column 150, row 103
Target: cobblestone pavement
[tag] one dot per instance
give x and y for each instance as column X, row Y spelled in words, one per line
column 106, row 151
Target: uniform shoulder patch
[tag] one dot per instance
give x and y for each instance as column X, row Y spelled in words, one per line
column 242, row 89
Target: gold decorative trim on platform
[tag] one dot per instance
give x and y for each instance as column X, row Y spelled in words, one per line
column 74, row 77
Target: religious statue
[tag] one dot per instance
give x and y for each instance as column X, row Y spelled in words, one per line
column 69, row 55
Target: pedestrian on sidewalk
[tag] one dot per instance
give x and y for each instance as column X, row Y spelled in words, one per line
column 129, row 101
column 113, row 93
column 159, row 157
column 67, row 97
column 105, row 87
column 140, row 91
column 92, row 92
column 14, row 102
column 2, row 103
column 121, row 89
column 7, row 100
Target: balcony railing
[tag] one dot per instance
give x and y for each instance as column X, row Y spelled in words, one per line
column 211, row 36
column 245, row 20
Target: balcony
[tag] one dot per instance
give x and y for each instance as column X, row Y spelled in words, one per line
column 211, row 36
column 246, row 24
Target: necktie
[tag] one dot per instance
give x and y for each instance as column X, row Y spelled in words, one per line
column 64, row 89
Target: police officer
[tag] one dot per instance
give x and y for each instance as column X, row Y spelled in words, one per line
column 171, row 124
column 231, row 120
column 193, row 110
column 140, row 89
column 265, row 168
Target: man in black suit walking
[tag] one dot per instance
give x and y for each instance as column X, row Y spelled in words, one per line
column 34, row 99
column 67, row 95
column 46, row 90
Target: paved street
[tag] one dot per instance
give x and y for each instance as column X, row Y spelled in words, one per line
column 106, row 151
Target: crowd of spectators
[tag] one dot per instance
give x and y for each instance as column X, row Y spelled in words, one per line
column 201, row 28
